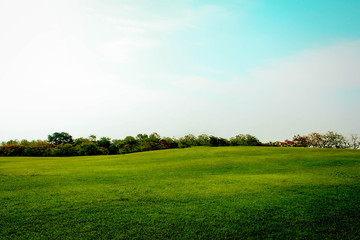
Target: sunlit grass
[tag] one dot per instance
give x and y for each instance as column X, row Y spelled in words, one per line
column 217, row 193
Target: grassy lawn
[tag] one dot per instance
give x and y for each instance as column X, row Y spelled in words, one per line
column 196, row 193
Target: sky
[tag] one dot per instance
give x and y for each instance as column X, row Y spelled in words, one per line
column 269, row 68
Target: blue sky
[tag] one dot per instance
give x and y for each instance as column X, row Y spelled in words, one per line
column 116, row 68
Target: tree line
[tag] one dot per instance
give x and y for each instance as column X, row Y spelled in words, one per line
column 316, row 140
column 63, row 144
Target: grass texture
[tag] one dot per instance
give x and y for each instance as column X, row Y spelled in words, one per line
column 195, row 193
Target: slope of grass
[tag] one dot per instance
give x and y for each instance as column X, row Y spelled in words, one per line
column 201, row 193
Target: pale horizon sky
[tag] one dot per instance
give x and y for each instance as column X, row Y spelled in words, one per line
column 269, row 68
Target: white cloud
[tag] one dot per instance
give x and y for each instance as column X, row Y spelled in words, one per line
column 321, row 71
column 134, row 26
column 303, row 93
column 124, row 49
column 53, row 79
column 137, row 30
column 297, row 94
column 331, row 67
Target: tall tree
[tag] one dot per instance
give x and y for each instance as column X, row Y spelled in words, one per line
column 60, row 138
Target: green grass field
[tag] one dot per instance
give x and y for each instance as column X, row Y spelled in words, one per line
column 196, row 193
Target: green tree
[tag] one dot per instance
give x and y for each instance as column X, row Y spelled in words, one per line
column 171, row 142
column 244, row 140
column 141, row 137
column 188, row 140
column 60, row 138
column 203, row 140
column 128, row 145
column 81, row 140
column 92, row 138
column 154, row 137
column 252, row 140
column 218, row 141
column 238, row 140
column 104, row 142
column 24, row 143
column 11, row 142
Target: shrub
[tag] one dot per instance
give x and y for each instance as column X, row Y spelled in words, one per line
column 37, row 148
column 12, row 150
column 66, row 150
column 171, row 143
column 127, row 145
column 88, row 148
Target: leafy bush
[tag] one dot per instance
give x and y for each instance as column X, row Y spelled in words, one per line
column 89, row 148
column 66, row 150
column 12, row 150
column 37, row 148
column 170, row 143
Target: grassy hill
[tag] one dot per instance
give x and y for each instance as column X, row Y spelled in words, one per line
column 201, row 193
